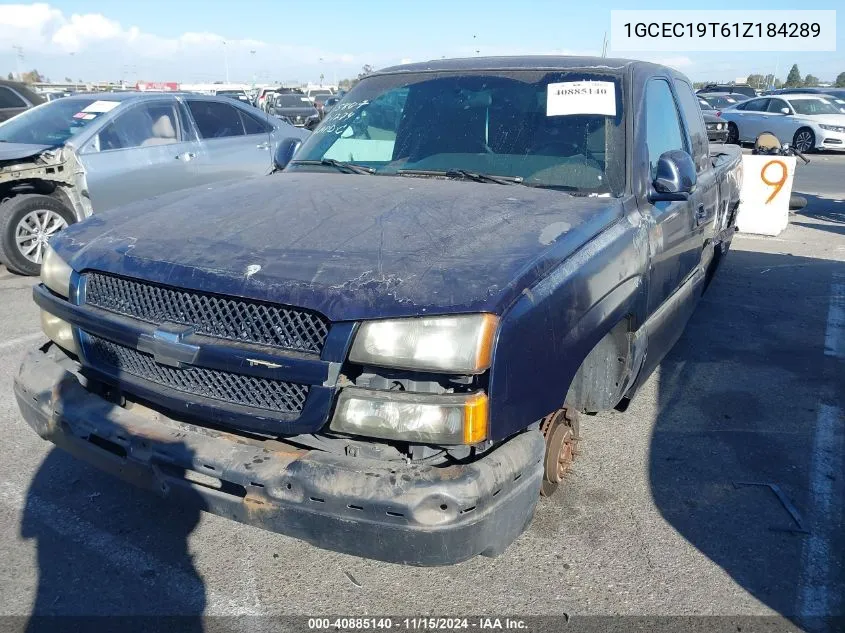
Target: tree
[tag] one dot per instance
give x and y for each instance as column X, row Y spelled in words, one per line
column 811, row 80
column 840, row 80
column 33, row 76
column 756, row 81
column 68, row 80
column 11, row 77
column 793, row 79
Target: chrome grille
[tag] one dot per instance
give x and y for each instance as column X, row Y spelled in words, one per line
column 248, row 391
column 228, row 318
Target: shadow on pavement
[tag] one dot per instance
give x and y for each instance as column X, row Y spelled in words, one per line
column 739, row 399
column 106, row 548
column 829, row 210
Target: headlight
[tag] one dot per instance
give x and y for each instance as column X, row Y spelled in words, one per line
column 720, row 126
column 55, row 273
column 412, row 417
column 461, row 344
column 833, row 128
column 59, row 331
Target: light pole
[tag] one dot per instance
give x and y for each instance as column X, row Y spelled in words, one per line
column 19, row 58
column 252, row 55
column 226, row 60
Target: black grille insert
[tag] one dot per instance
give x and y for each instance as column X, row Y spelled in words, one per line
column 228, row 318
column 248, row 391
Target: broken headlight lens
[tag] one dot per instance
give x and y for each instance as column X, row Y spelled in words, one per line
column 412, row 417
column 55, row 273
column 460, row 344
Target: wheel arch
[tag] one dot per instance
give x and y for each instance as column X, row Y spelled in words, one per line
column 579, row 315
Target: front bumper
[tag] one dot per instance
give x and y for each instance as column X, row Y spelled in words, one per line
column 392, row 511
column 717, row 136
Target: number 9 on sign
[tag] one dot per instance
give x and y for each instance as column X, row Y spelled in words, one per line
column 777, row 185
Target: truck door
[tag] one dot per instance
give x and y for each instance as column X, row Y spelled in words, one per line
column 675, row 244
column 705, row 199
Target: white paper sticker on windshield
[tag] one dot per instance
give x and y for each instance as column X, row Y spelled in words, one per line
column 581, row 97
column 101, row 106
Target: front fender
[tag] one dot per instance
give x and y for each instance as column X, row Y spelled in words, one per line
column 547, row 333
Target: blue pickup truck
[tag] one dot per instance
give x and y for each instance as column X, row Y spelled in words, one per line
column 385, row 348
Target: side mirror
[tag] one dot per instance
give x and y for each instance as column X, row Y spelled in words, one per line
column 674, row 177
column 784, row 110
column 284, row 152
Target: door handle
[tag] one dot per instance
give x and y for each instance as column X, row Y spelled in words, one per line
column 185, row 156
column 700, row 215
column 263, row 146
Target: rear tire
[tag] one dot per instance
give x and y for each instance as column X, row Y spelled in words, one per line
column 797, row 202
column 26, row 224
column 733, row 134
column 804, row 140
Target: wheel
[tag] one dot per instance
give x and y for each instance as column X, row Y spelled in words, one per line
column 797, row 202
column 804, row 140
column 26, row 223
column 733, row 134
column 562, row 432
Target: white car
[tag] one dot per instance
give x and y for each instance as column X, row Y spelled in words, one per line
column 805, row 121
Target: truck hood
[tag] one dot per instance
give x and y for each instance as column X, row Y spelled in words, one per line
column 19, row 151
column 349, row 246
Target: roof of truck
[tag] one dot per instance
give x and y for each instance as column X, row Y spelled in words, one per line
column 522, row 62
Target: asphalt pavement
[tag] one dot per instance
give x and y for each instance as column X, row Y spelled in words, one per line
column 719, row 492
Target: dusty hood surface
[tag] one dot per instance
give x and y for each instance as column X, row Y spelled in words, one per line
column 19, row 151
column 350, row 246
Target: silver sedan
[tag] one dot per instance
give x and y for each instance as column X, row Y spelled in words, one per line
column 66, row 159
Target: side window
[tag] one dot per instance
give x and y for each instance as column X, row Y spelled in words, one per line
column 155, row 123
column 10, row 99
column 775, row 105
column 663, row 129
column 252, row 125
column 757, row 105
column 695, row 123
column 215, row 119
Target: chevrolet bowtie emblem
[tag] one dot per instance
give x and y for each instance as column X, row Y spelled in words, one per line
column 166, row 345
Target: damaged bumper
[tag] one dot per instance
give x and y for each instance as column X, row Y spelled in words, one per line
column 392, row 511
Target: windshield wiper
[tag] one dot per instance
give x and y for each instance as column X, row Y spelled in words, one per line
column 464, row 174
column 349, row 168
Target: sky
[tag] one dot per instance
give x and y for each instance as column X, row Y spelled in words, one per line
column 267, row 41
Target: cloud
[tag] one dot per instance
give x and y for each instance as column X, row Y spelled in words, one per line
column 45, row 31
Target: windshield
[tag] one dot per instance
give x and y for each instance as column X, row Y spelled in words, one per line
column 55, row 122
column 559, row 129
column 704, row 105
column 293, row 101
column 813, row 106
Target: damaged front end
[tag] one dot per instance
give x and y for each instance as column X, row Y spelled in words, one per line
column 365, row 437
column 45, row 170
column 408, row 512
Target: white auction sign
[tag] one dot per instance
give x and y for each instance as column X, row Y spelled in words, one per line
column 765, row 194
